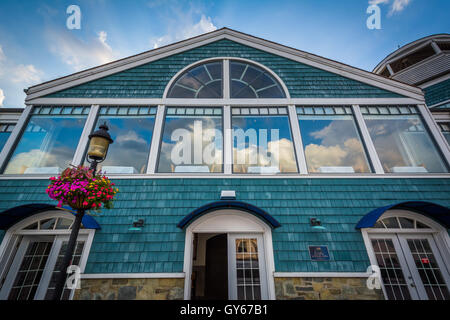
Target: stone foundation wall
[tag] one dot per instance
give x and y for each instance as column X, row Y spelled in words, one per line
column 325, row 289
column 131, row 289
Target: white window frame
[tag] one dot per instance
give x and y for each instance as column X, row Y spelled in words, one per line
column 230, row 222
column 227, row 103
column 438, row 233
column 12, row 234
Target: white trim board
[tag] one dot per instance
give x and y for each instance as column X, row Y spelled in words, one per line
column 321, row 275
column 249, row 176
column 132, row 275
column 224, row 33
column 434, row 81
column 220, row 102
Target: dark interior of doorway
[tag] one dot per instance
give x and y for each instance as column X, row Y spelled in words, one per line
column 210, row 267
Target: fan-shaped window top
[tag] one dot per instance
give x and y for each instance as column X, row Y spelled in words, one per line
column 250, row 81
column 204, row 81
column 400, row 223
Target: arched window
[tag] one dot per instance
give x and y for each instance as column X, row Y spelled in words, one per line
column 400, row 223
column 246, row 80
column 250, row 81
column 30, row 254
column 203, row 81
column 410, row 251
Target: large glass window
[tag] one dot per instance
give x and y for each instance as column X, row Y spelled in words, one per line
column 445, row 128
column 262, row 141
column 49, row 141
column 331, row 140
column 132, row 129
column 204, row 81
column 192, row 141
column 250, row 81
column 5, row 132
column 401, row 140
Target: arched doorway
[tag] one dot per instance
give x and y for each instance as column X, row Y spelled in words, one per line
column 412, row 252
column 249, row 256
column 31, row 251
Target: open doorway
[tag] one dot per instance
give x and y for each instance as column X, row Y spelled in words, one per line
column 210, row 267
column 236, row 248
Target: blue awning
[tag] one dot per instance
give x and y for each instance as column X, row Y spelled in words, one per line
column 10, row 217
column 434, row 211
column 229, row 204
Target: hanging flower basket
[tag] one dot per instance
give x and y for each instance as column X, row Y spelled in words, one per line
column 78, row 188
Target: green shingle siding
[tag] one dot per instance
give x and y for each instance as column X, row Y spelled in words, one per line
column 150, row 80
column 162, row 203
column 437, row 93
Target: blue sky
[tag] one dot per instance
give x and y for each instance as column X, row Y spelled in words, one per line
column 36, row 46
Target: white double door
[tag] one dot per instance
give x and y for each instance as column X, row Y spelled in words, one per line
column 33, row 270
column 247, row 277
column 411, row 266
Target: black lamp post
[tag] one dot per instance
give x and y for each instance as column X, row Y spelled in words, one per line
column 99, row 142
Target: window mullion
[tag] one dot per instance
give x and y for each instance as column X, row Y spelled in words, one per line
column 365, row 136
column 227, row 141
column 154, row 148
column 89, row 127
column 226, row 79
column 435, row 132
column 298, row 144
column 15, row 136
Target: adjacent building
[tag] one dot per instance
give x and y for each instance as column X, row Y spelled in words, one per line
column 424, row 63
column 247, row 170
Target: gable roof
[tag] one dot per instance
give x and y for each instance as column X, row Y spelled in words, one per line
column 224, row 33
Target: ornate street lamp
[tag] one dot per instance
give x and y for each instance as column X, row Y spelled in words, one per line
column 99, row 142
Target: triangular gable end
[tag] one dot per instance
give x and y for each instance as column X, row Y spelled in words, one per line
column 305, row 75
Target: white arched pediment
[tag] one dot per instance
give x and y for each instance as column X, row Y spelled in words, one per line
column 228, row 221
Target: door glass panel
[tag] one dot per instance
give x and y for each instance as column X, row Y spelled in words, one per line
column 75, row 261
column 30, row 271
column 391, row 271
column 428, row 269
column 247, row 269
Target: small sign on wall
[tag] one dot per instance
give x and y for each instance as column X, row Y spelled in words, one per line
column 319, row 253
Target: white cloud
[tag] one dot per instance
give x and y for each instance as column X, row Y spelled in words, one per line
column 2, row 97
column 376, row 2
column 399, row 5
column 2, row 54
column 14, row 78
column 80, row 54
column 396, row 6
column 26, row 74
column 130, row 136
column 184, row 29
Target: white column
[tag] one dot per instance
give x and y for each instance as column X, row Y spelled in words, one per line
column 156, row 138
column 15, row 135
column 227, row 141
column 367, row 140
column 391, row 72
column 89, row 127
column 435, row 131
column 297, row 137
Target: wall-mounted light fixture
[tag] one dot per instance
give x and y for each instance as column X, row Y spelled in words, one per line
column 316, row 224
column 228, row 195
column 137, row 225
